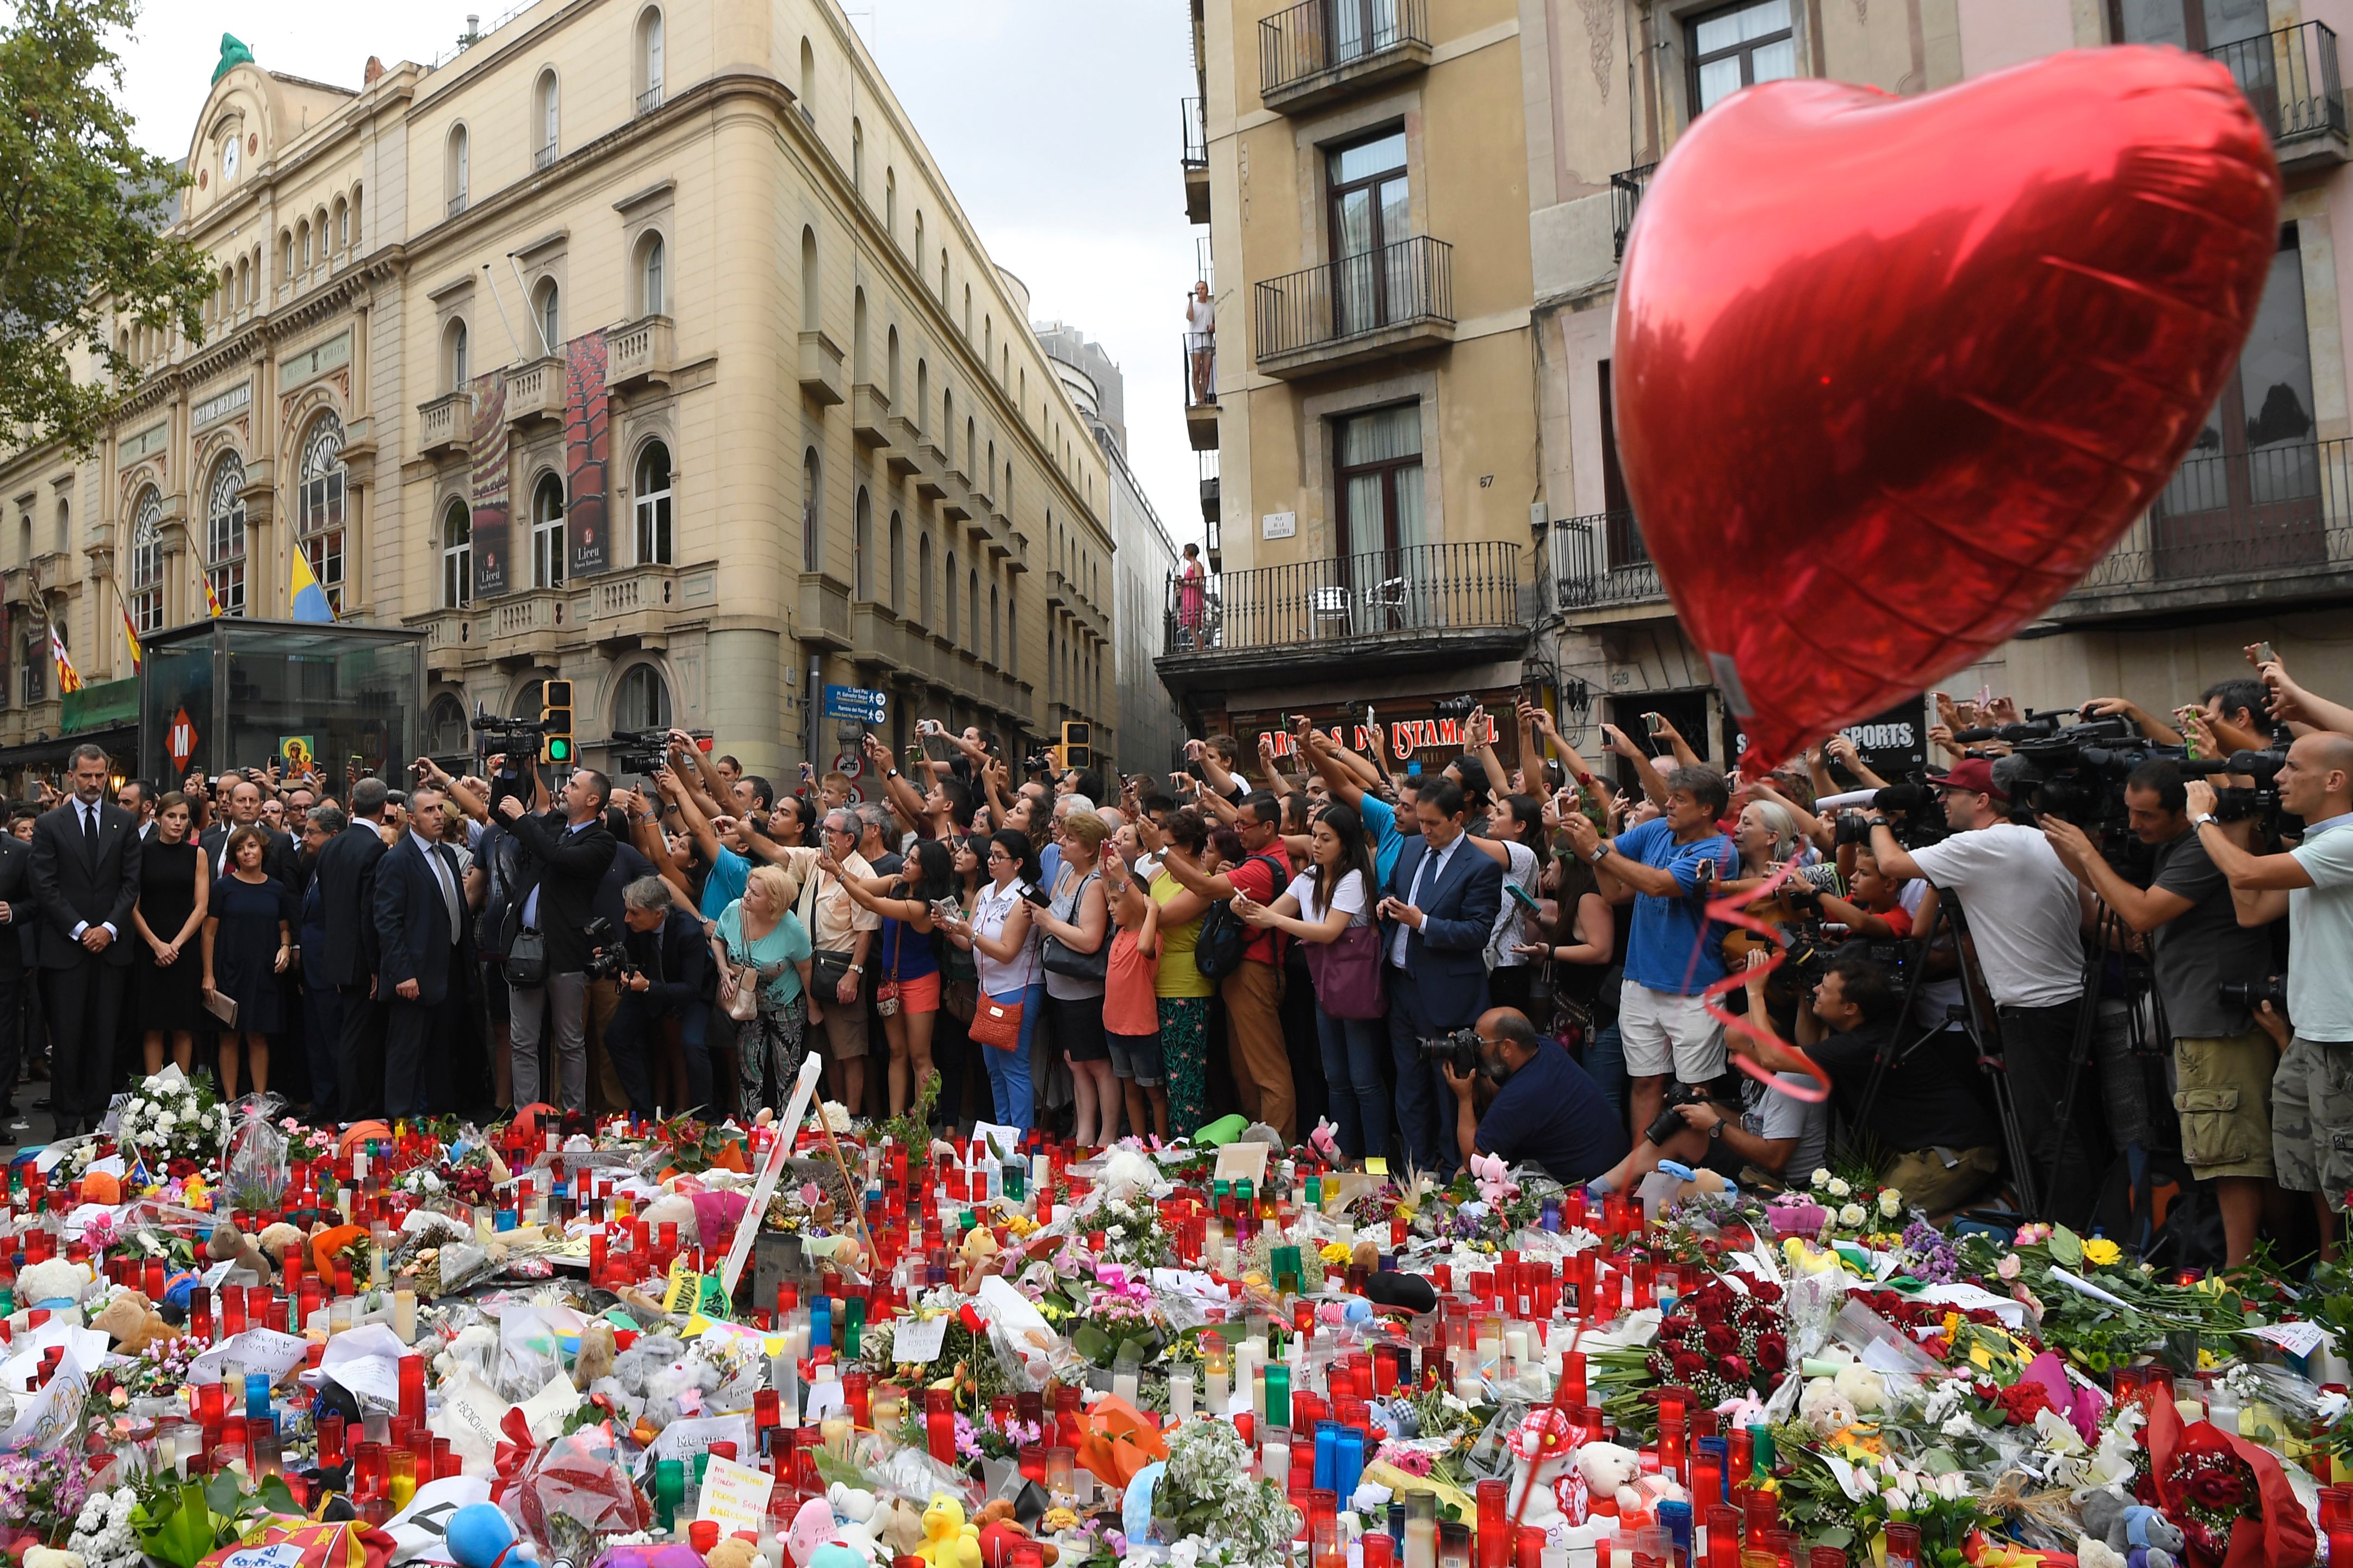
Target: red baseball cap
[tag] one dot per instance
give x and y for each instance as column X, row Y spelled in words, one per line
column 1974, row 775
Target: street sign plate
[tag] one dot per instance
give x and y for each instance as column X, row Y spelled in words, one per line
column 856, row 703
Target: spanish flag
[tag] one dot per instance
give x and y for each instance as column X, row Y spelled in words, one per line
column 131, row 631
column 303, row 593
column 212, row 600
column 68, row 681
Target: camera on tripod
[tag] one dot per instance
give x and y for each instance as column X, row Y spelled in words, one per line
column 639, row 752
column 607, row 958
column 2253, row 994
column 1914, row 815
column 1457, row 1050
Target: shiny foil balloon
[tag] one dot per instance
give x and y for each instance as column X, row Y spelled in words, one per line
column 1893, row 373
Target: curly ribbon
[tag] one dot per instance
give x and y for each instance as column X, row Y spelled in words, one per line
column 1732, row 910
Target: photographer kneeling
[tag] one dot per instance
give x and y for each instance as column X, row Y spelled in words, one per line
column 663, row 1000
column 1546, row 1111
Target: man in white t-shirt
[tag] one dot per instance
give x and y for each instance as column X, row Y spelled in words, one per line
column 2312, row 885
column 2025, row 918
column 1201, row 344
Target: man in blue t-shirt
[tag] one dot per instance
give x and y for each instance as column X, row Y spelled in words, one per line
column 1668, row 868
column 1546, row 1112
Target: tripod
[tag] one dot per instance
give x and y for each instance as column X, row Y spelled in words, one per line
column 1979, row 1028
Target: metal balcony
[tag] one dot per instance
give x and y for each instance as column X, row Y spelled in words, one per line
column 1196, row 162
column 1626, row 190
column 2290, row 78
column 649, row 99
column 1600, row 560
column 1415, row 599
column 1320, row 50
column 1200, row 393
column 1396, row 298
column 544, row 157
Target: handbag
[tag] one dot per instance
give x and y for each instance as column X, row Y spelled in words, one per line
column 827, row 970
column 996, row 1023
column 1348, row 973
column 526, row 963
column 740, row 991
column 1224, row 935
column 1067, row 962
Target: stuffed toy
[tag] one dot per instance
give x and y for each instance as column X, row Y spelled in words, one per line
column 1544, row 1471
column 2138, row 1533
column 132, row 1323
column 673, row 1208
column 277, row 1240
column 1865, row 1390
column 900, row 1526
column 812, row 1527
column 1000, row 1531
column 53, row 1283
column 597, row 1352
column 854, row 1512
column 231, row 1246
column 648, row 1379
column 1609, row 1472
column 949, row 1539
column 733, row 1551
column 1127, row 1171
column 1824, row 1408
column 50, row 1557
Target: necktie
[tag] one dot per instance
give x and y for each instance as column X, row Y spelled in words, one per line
column 90, row 830
column 448, row 887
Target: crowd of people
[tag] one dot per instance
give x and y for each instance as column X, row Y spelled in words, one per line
column 1428, row 966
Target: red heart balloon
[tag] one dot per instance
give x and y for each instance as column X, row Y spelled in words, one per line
column 1891, row 374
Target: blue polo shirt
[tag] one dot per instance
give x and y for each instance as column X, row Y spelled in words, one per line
column 1381, row 817
column 1673, row 947
column 1552, row 1114
column 729, row 874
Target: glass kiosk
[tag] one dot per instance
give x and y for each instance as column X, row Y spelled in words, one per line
column 233, row 692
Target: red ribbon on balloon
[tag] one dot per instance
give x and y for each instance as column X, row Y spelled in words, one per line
column 1732, row 910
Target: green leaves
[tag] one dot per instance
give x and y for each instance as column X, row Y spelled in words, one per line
column 180, row 1524
column 2066, row 1247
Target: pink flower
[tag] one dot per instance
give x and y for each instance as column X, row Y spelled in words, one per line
column 2009, row 1266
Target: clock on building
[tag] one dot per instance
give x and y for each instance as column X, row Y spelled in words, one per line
column 230, row 150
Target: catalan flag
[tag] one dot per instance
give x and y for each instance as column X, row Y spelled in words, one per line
column 67, row 679
column 131, row 631
column 212, row 600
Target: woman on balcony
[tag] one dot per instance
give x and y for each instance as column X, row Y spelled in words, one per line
column 1192, row 595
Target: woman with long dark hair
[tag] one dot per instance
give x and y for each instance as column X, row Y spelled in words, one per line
column 909, row 993
column 1515, row 841
column 997, row 930
column 1333, row 894
column 1077, row 918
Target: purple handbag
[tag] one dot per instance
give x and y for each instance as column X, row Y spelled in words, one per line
column 1348, row 973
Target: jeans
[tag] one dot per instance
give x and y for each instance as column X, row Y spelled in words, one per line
column 1351, row 1075
column 1009, row 1071
column 2036, row 1046
column 1605, row 1063
column 566, row 996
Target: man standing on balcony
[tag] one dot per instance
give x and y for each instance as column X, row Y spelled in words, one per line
column 1201, row 343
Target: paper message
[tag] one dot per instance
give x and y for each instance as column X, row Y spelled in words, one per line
column 53, row 1415
column 257, row 1350
column 684, row 1440
column 468, row 1417
column 824, row 1397
column 2297, row 1339
column 1000, row 1140
column 544, row 1411
column 735, row 1495
column 919, row 1341
column 1241, row 1162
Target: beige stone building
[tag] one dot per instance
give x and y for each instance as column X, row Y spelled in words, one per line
column 633, row 343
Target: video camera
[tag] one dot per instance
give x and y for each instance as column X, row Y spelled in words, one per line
column 2232, row 802
column 1038, row 761
column 1668, row 1123
column 607, row 958
column 1455, row 707
column 1458, row 1050
column 1915, row 815
column 639, row 752
column 515, row 740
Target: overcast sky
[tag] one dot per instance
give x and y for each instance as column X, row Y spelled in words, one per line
column 1056, row 121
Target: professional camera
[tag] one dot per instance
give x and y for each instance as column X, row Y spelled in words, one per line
column 2232, row 802
column 639, row 752
column 607, row 958
column 1458, row 1050
column 1668, row 1123
column 1455, row 707
column 517, row 741
column 1040, row 760
column 1915, row 814
column 2253, row 994
column 1355, row 710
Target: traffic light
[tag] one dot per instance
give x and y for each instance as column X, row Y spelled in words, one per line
column 555, row 747
column 1078, row 744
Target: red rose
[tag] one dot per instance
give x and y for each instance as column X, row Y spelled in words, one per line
column 1772, row 1351
column 1757, row 1319
column 2023, row 1401
column 1766, row 1291
column 1689, row 1365
column 2218, row 1488
column 1736, row 1370
column 1720, row 1339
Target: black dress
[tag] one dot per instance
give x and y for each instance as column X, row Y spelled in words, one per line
column 245, row 949
column 169, row 997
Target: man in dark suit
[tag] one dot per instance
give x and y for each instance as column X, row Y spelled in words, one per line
column 322, row 1004
column 1440, row 907
column 19, row 932
column 86, row 879
column 282, row 859
column 566, row 852
column 346, row 878
column 427, row 952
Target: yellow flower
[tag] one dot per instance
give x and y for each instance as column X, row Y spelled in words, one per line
column 1336, row 1253
column 2101, row 1252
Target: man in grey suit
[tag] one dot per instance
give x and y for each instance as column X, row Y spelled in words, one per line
column 86, row 879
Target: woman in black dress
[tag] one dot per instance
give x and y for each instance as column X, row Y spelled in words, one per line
column 173, row 874
column 248, row 945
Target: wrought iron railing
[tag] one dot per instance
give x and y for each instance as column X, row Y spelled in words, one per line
column 1601, row 560
column 1316, row 36
column 1626, row 189
column 2236, row 515
column 544, row 157
column 1200, row 367
column 2290, row 78
column 650, row 99
column 1197, row 135
column 1418, row 590
column 1356, row 296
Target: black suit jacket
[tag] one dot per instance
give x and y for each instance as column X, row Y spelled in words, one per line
column 347, row 894
column 566, row 867
column 412, row 920
column 16, row 891
column 282, row 858
column 1446, row 956
column 77, row 887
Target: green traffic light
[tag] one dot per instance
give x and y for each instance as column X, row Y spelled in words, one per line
column 559, row 748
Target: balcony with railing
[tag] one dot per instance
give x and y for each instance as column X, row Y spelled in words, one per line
column 1411, row 603
column 650, row 99
column 1599, row 563
column 1319, row 51
column 1196, row 161
column 445, row 425
column 544, row 157
column 1199, row 361
column 639, row 352
column 2290, row 78
column 1395, row 300
column 1208, row 464
column 1626, row 188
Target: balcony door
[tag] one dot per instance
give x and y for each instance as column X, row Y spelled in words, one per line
column 1738, row 47
column 1371, row 212
column 1380, row 470
column 2235, row 32
column 1362, row 28
column 2249, row 494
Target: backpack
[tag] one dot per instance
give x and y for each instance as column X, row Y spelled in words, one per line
column 1217, row 950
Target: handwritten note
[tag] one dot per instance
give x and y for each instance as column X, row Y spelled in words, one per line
column 735, row 1495
column 2297, row 1339
column 919, row 1341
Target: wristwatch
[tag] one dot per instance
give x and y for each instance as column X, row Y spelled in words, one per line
column 857, row 968
column 1715, row 1131
column 2202, row 819
column 1601, row 852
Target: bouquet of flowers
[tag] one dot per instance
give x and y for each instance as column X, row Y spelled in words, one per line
column 1132, row 1236
column 171, row 1117
column 1723, row 1345
column 38, row 1496
column 1207, row 1491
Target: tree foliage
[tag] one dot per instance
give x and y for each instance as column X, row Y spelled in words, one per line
column 82, row 214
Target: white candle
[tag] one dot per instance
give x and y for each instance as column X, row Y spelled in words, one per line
column 1122, row 1386
column 1180, row 1396
column 1515, row 1344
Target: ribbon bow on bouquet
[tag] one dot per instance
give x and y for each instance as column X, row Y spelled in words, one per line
column 514, row 1451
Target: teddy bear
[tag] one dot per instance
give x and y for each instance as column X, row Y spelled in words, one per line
column 999, row 1532
column 854, row 1512
column 278, row 1239
column 1824, row 1409
column 597, row 1353
column 1610, row 1470
column 949, row 1539
column 1865, row 1390
column 2142, row 1536
column 231, row 1246
column 132, row 1321
column 1544, row 1460
column 53, row 1283
column 899, row 1526
column 733, row 1551
column 647, row 1380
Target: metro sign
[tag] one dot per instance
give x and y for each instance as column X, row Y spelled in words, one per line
column 181, row 742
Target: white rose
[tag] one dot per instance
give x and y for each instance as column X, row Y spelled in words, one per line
column 1838, row 1188
column 1851, row 1214
column 1822, row 1177
column 1891, row 1203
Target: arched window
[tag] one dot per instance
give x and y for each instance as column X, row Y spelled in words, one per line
column 996, row 645
column 342, row 224
column 244, row 282
column 858, row 157
column 651, row 489
column 969, row 427
column 641, row 699
column 924, row 578
column 944, row 278
column 812, row 298
column 225, row 534
column 808, row 82
column 65, row 528
column 891, row 204
column 285, row 254
column 898, row 564
column 861, row 547
column 987, row 339
column 147, row 563
column 548, row 311
column 649, row 60
column 919, row 237
column 547, row 533
column 1012, row 638
column 455, row 169
column 968, row 316
column 971, row 620
column 445, row 731
column 456, row 555
column 890, row 371
column 651, row 299
column 546, row 103
column 455, row 371
column 948, row 425
column 922, row 394
column 812, row 514
column 319, row 507
column 36, row 665
column 356, row 217
column 302, row 244
column 953, row 597
column 861, row 371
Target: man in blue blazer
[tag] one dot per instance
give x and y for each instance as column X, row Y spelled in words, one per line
column 425, row 936
column 1441, row 899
